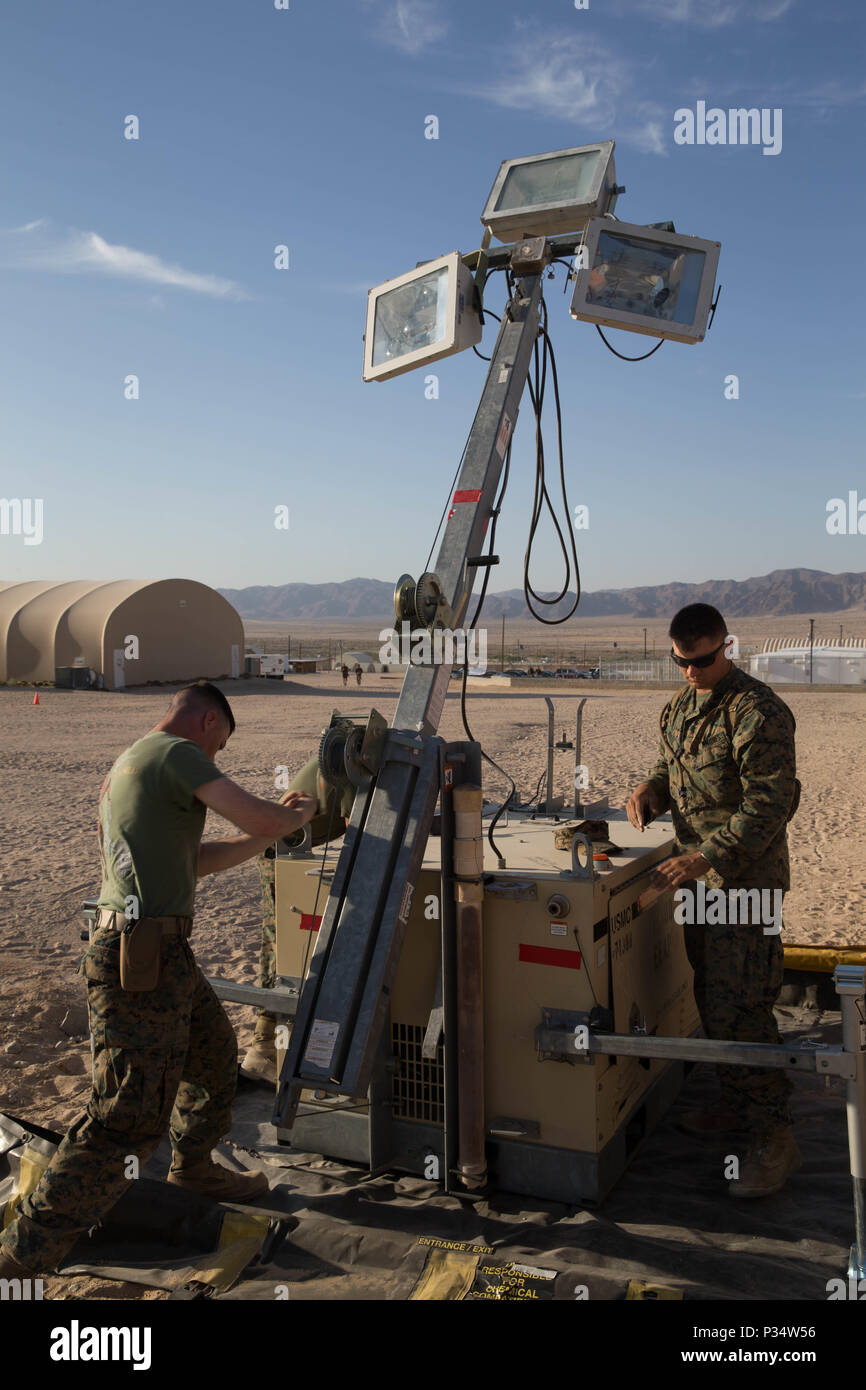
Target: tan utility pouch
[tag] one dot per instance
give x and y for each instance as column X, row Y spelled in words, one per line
column 140, row 951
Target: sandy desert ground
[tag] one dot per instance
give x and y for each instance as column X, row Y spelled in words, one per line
column 55, row 756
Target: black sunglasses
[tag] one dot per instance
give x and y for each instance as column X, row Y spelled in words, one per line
column 699, row 662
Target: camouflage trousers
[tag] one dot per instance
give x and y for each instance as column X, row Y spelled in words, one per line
column 738, row 975
column 162, row 1058
column 268, row 958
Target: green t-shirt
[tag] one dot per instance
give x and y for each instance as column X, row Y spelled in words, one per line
column 311, row 783
column 150, row 825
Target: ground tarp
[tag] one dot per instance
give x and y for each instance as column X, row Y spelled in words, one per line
column 332, row 1232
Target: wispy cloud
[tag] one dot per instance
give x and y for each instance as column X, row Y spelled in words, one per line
column 580, row 82
column 561, row 75
column 710, row 14
column 412, row 25
column 37, row 246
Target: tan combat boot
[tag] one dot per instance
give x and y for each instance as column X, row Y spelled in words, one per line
column 210, row 1179
column 714, row 1119
column 771, row 1159
column 260, row 1063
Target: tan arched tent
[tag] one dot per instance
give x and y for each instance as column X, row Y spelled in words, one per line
column 128, row 631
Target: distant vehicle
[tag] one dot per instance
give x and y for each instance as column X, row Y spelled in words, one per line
column 513, row 671
column 567, row 672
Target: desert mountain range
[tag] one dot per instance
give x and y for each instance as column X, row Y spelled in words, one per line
column 777, row 594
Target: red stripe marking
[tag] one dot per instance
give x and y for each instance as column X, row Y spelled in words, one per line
column 467, row 495
column 309, row 922
column 548, row 955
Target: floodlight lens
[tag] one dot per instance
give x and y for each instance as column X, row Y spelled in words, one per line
column 411, row 317
column 641, row 277
column 563, row 179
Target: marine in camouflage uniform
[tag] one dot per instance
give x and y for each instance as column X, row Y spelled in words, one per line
column 164, row 1052
column 726, row 770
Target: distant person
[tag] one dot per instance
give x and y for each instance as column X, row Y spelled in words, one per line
column 344, row 671
column 726, row 773
column 164, row 1051
column 357, row 673
column 260, row 1061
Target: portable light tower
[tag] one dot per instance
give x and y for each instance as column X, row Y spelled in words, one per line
column 357, row 990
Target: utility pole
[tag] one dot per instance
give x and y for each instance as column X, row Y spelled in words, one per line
column 811, row 646
column 289, row 640
column 644, row 644
column 840, row 634
column 502, row 646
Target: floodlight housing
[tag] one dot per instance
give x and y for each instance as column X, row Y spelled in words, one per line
column 543, row 194
column 646, row 280
column 428, row 313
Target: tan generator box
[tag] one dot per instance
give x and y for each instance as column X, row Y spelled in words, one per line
column 555, row 945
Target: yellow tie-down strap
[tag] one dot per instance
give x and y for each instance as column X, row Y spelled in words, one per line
column 447, row 1275
column 651, row 1292
column 242, row 1236
column 32, row 1165
column 823, row 958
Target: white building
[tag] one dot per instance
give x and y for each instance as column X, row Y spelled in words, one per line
column 785, row 661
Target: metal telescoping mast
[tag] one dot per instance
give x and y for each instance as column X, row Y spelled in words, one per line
column 345, row 1000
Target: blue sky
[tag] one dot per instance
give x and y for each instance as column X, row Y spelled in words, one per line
column 305, row 127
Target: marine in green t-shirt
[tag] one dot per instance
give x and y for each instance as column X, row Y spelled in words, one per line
column 150, row 826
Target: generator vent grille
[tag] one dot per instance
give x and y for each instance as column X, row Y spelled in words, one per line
column 418, row 1091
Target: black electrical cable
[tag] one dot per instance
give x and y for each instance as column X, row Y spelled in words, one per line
column 643, row 357
column 474, row 348
column 542, row 497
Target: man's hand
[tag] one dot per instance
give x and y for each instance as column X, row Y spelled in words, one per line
column 306, row 806
column 643, row 805
column 680, row 869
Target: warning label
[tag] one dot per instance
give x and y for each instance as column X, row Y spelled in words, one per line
column 495, row 1279
column 321, row 1044
column 465, row 1245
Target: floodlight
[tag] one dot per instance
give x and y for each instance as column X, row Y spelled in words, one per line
column 419, row 317
column 646, row 280
column 543, row 194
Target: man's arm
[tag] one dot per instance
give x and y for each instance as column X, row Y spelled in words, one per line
column 763, row 748
column 262, row 821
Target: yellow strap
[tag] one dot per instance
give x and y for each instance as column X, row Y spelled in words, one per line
column 447, row 1275
column 652, row 1292
column 823, row 958
column 32, row 1166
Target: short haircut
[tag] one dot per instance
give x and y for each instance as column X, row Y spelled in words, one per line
column 694, row 622
column 201, row 695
